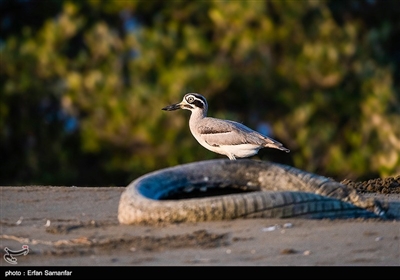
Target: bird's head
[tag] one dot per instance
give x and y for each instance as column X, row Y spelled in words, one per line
column 191, row 101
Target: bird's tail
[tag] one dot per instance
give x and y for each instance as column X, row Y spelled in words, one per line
column 276, row 145
column 284, row 149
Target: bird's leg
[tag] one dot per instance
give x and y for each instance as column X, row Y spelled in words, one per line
column 231, row 157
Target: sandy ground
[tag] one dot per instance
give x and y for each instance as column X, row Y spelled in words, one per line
column 78, row 226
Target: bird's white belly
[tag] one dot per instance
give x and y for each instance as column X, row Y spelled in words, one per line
column 239, row 151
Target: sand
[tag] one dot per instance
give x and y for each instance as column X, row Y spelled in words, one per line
column 78, row 226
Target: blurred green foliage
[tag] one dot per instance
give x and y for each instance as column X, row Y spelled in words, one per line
column 83, row 84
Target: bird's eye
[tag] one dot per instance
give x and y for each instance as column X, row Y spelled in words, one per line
column 190, row 99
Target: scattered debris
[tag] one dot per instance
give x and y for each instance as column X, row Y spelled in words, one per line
column 389, row 185
column 288, row 251
column 275, row 227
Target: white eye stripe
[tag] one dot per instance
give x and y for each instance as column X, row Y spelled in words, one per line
column 196, row 100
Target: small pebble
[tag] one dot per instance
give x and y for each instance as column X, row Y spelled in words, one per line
column 271, row 228
column 288, row 225
column 19, row 221
column 288, row 251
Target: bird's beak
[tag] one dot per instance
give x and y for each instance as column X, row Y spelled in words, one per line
column 172, row 107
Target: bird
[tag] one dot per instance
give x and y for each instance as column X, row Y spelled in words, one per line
column 224, row 137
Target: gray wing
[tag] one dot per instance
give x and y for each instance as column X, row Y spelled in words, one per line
column 218, row 132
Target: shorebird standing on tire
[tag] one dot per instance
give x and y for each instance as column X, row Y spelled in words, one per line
column 224, row 137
